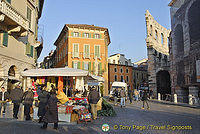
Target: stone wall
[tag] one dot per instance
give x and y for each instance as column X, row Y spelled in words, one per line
column 157, row 49
column 185, row 48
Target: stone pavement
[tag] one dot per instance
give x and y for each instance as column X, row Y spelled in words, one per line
column 160, row 116
column 177, row 104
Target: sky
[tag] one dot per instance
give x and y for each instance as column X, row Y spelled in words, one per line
column 125, row 20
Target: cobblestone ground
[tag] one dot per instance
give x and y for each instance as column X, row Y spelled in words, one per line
column 131, row 119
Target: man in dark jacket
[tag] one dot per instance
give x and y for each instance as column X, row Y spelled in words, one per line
column 28, row 98
column 4, row 97
column 145, row 99
column 43, row 98
column 51, row 115
column 93, row 98
column 16, row 97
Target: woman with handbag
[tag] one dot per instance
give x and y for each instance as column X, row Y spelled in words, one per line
column 28, row 98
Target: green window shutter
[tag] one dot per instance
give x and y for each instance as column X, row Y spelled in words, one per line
column 93, row 35
column 83, row 66
column 100, row 36
column 32, row 51
column 79, row 65
column 88, row 51
column 72, row 64
column 90, row 66
column 105, row 68
column 72, row 34
column 95, row 51
column 89, row 35
column 5, row 39
column 83, row 34
column 100, row 68
column 28, row 49
column 9, row 1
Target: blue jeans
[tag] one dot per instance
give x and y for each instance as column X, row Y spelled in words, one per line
column 136, row 97
column 123, row 101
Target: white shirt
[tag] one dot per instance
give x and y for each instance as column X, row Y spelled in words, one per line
column 2, row 96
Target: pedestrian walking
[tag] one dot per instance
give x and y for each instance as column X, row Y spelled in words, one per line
column 122, row 95
column 130, row 95
column 16, row 95
column 43, row 99
column 4, row 97
column 51, row 115
column 28, row 98
column 136, row 93
column 145, row 99
column 93, row 98
column 116, row 95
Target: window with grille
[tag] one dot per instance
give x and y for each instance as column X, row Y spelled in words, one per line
column 115, row 69
column 126, row 70
column 115, row 77
column 122, row 78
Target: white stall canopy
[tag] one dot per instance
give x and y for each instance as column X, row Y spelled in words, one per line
column 54, row 72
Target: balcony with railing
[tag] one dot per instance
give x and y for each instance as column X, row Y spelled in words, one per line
column 11, row 17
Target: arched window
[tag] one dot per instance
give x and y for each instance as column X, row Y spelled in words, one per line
column 179, row 43
column 156, row 34
column 194, row 22
column 115, row 77
column 162, row 38
column 151, row 30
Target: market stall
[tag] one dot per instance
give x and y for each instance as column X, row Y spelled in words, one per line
column 75, row 106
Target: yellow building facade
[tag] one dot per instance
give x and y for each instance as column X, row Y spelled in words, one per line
column 84, row 47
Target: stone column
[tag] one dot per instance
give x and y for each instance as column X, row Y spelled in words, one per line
column 175, row 98
column 5, row 82
column 159, row 97
column 24, row 83
column 29, row 84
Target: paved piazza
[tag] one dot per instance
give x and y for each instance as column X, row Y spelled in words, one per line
column 161, row 118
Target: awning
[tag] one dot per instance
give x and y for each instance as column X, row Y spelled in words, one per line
column 54, row 72
column 98, row 78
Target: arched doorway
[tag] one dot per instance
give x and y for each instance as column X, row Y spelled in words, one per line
column 194, row 19
column 163, row 83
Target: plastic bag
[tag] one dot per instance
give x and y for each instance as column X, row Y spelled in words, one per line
column 62, row 97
